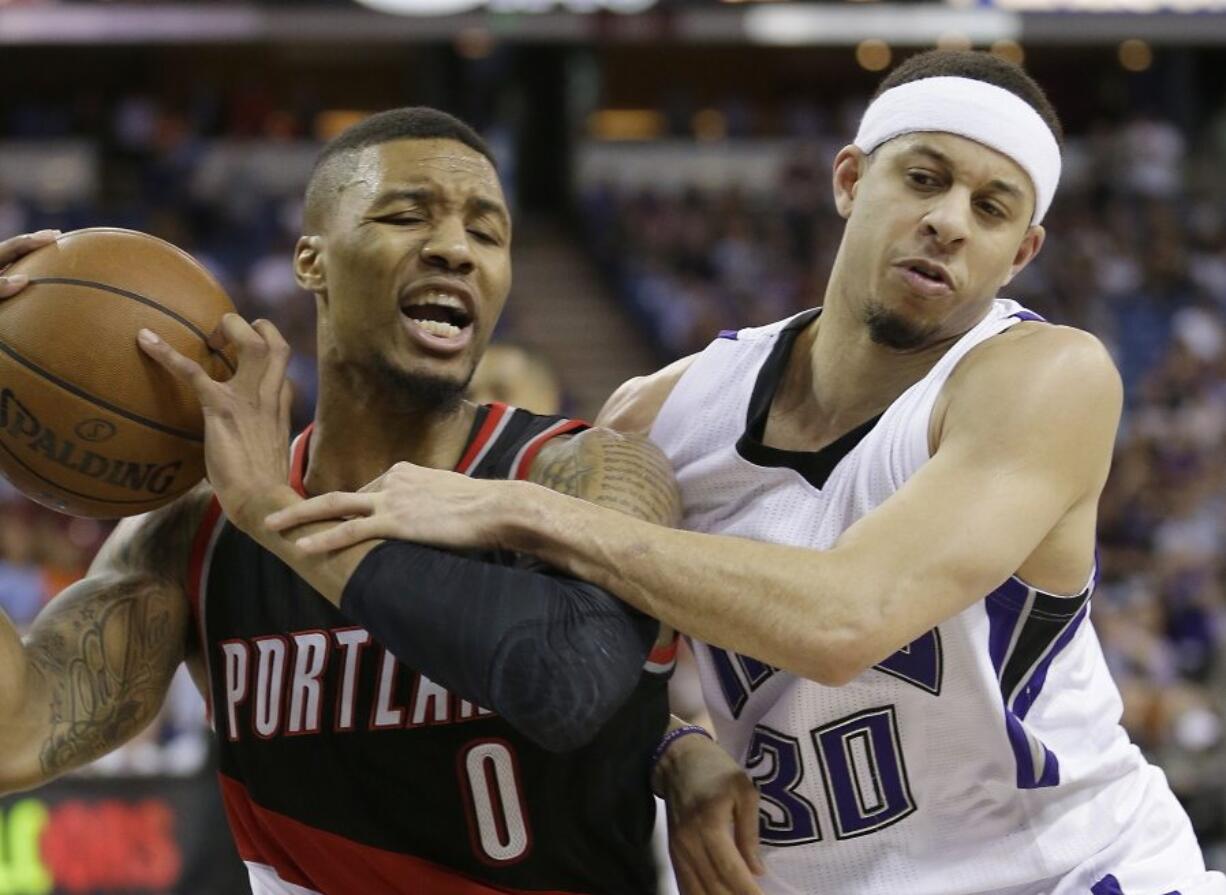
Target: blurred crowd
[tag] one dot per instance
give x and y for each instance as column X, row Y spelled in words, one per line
column 1136, row 254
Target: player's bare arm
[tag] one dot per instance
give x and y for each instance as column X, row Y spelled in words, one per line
column 516, row 640
column 633, row 407
column 94, row 668
column 625, row 473
column 1007, row 477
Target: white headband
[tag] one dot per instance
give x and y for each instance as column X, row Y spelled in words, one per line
column 979, row 111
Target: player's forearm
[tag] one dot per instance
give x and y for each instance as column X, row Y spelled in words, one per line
column 327, row 573
column 808, row 612
column 519, row 642
column 96, row 666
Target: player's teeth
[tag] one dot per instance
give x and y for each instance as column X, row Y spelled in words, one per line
column 439, row 328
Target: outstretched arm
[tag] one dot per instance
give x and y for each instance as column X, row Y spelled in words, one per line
column 554, row 655
column 96, row 664
column 1005, row 477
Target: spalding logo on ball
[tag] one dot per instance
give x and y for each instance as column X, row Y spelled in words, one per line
column 89, row 425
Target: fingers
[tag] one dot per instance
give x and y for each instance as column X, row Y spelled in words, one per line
column 177, row 364
column 694, row 871
column 20, row 246
column 728, row 868
column 10, row 286
column 336, row 505
column 745, row 827
column 286, row 402
column 342, row 535
column 263, row 354
column 278, row 354
column 687, row 880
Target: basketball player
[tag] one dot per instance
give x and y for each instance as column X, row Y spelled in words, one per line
column 344, row 770
column 891, row 506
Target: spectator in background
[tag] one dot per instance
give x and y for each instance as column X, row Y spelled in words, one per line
column 511, row 374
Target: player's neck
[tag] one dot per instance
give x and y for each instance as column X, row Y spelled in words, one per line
column 837, row 366
column 354, row 441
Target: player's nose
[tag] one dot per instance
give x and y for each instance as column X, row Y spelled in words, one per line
column 449, row 247
column 948, row 220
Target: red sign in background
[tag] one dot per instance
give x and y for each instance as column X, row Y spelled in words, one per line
column 108, row 836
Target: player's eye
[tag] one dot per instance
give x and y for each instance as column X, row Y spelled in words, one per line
column 922, row 179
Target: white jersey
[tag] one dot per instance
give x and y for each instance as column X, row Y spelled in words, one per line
column 985, row 757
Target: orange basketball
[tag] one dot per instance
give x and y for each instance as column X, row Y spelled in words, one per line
column 89, row 425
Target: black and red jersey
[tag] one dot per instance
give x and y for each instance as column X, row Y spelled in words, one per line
column 345, row 771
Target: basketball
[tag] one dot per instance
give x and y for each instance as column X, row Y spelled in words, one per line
column 89, row 425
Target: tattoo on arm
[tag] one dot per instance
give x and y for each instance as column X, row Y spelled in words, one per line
column 104, row 660
column 98, row 660
column 622, row 472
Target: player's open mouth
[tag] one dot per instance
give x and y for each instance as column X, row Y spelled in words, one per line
column 926, row 278
column 438, row 318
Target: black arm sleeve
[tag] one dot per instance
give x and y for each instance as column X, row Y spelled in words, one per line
column 554, row 656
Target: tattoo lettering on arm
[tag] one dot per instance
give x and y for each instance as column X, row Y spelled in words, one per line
column 96, row 664
column 626, row 473
column 103, row 661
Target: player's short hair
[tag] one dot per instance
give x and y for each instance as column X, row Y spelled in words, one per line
column 979, row 66
column 409, row 123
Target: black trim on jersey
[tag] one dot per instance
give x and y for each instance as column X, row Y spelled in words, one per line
column 815, row 466
column 1048, row 617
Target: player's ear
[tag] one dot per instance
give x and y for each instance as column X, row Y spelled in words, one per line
column 849, row 166
column 309, row 269
column 1026, row 252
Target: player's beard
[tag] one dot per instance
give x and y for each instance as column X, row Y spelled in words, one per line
column 893, row 330
column 410, row 392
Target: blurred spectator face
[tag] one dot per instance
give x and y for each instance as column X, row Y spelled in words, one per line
column 419, row 232
column 936, row 224
column 515, row 376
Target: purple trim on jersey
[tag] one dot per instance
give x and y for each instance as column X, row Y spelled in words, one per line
column 1004, row 607
column 1020, row 739
column 1028, row 315
column 1109, row 885
column 1007, row 612
column 1027, row 695
column 728, row 334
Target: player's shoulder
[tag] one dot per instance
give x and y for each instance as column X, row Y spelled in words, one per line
column 633, row 407
column 158, row 542
column 1033, row 374
column 1035, row 356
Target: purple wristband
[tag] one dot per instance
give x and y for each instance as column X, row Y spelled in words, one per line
column 671, row 737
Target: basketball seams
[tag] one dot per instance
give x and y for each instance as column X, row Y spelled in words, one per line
column 95, row 400
column 144, row 300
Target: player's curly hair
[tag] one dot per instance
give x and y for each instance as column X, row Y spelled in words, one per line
column 980, row 66
column 409, row 123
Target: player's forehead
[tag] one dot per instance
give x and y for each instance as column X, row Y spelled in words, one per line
column 963, row 158
column 433, row 170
